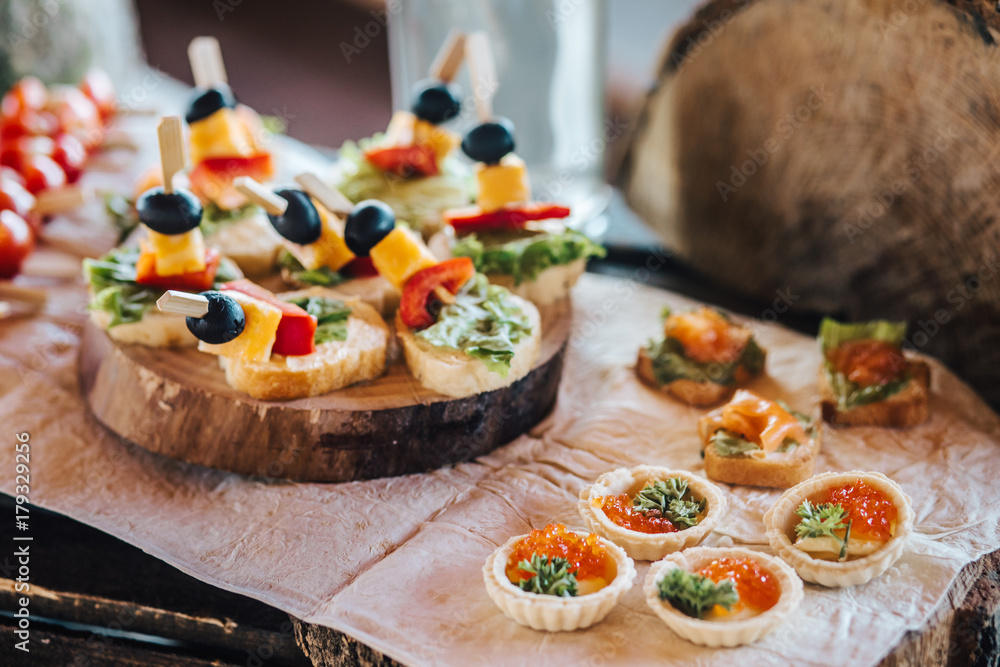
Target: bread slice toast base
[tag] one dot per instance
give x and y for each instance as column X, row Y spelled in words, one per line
column 550, row 285
column 155, row 329
column 903, row 409
column 698, row 394
column 781, row 470
column 456, row 374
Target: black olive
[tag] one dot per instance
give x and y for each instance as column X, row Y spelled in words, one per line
column 489, row 142
column 300, row 223
column 436, row 101
column 206, row 101
column 367, row 224
column 174, row 213
column 223, row 322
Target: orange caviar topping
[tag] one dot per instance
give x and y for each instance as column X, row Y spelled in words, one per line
column 587, row 557
column 756, row 586
column 622, row 512
column 868, row 362
column 706, row 335
column 872, row 514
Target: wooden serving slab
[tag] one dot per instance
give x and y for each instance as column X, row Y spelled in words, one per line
column 177, row 403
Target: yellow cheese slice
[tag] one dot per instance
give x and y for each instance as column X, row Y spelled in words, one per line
column 329, row 249
column 257, row 339
column 441, row 141
column 401, row 254
column 222, row 134
column 502, row 184
column 178, row 253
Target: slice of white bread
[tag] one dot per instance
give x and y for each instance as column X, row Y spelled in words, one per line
column 456, row 374
column 155, row 329
column 781, row 470
column 251, row 242
column 903, row 409
column 332, row 366
column 698, row 394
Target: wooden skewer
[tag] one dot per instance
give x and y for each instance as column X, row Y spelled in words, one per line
column 205, row 56
column 183, row 303
column 482, row 73
column 449, row 58
column 59, row 200
column 443, row 295
column 31, row 296
column 171, row 135
column 330, row 197
column 260, row 195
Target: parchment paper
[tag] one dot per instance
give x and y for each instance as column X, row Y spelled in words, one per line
column 397, row 562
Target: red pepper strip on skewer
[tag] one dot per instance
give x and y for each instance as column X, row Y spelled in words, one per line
column 450, row 275
column 415, row 160
column 296, row 331
column 514, row 216
column 197, row 281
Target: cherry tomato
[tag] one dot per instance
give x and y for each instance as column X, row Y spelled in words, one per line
column 96, row 85
column 16, row 242
column 69, row 153
column 14, row 197
column 13, row 153
column 28, row 94
column 28, row 124
column 8, row 174
column 42, row 173
column 77, row 115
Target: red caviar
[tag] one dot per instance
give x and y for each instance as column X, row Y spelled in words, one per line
column 868, row 362
column 872, row 514
column 621, row 511
column 586, row 556
column 756, row 586
column 707, row 336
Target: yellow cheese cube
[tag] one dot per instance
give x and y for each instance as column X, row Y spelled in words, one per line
column 401, row 254
column 223, row 134
column 329, row 249
column 441, row 141
column 178, row 253
column 502, row 184
column 259, row 331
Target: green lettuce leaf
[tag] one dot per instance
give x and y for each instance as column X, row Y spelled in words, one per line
column 524, row 258
column 483, row 322
column 833, row 334
column 324, row 276
column 670, row 363
column 331, row 317
column 213, row 218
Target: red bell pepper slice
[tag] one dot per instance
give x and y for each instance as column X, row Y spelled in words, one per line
column 212, row 178
column 405, row 161
column 297, row 329
column 450, row 274
column 360, row 267
column 515, row 216
column 196, row 281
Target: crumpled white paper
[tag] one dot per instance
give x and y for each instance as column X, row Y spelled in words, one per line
column 397, row 562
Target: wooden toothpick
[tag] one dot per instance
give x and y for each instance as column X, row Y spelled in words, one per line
column 261, row 196
column 449, row 58
column 171, row 134
column 205, row 56
column 183, row 303
column 482, row 73
column 331, row 198
column 59, row 200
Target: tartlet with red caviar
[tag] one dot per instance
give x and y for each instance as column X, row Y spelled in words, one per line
column 652, row 511
column 557, row 579
column 722, row 597
column 841, row 529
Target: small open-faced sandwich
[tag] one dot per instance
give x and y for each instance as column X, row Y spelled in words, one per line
column 651, row 511
column 840, row 529
column 702, row 357
column 410, row 167
column 722, row 597
column 460, row 334
column 757, row 442
column 310, row 224
column 518, row 243
column 125, row 283
column 866, row 379
column 556, row 579
column 282, row 347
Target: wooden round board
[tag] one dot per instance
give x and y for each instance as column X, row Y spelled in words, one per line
column 177, row 403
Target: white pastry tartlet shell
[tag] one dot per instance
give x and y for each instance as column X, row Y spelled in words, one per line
column 643, row 546
column 781, row 519
column 548, row 612
column 722, row 633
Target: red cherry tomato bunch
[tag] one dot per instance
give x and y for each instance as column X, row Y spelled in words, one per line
column 45, row 138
